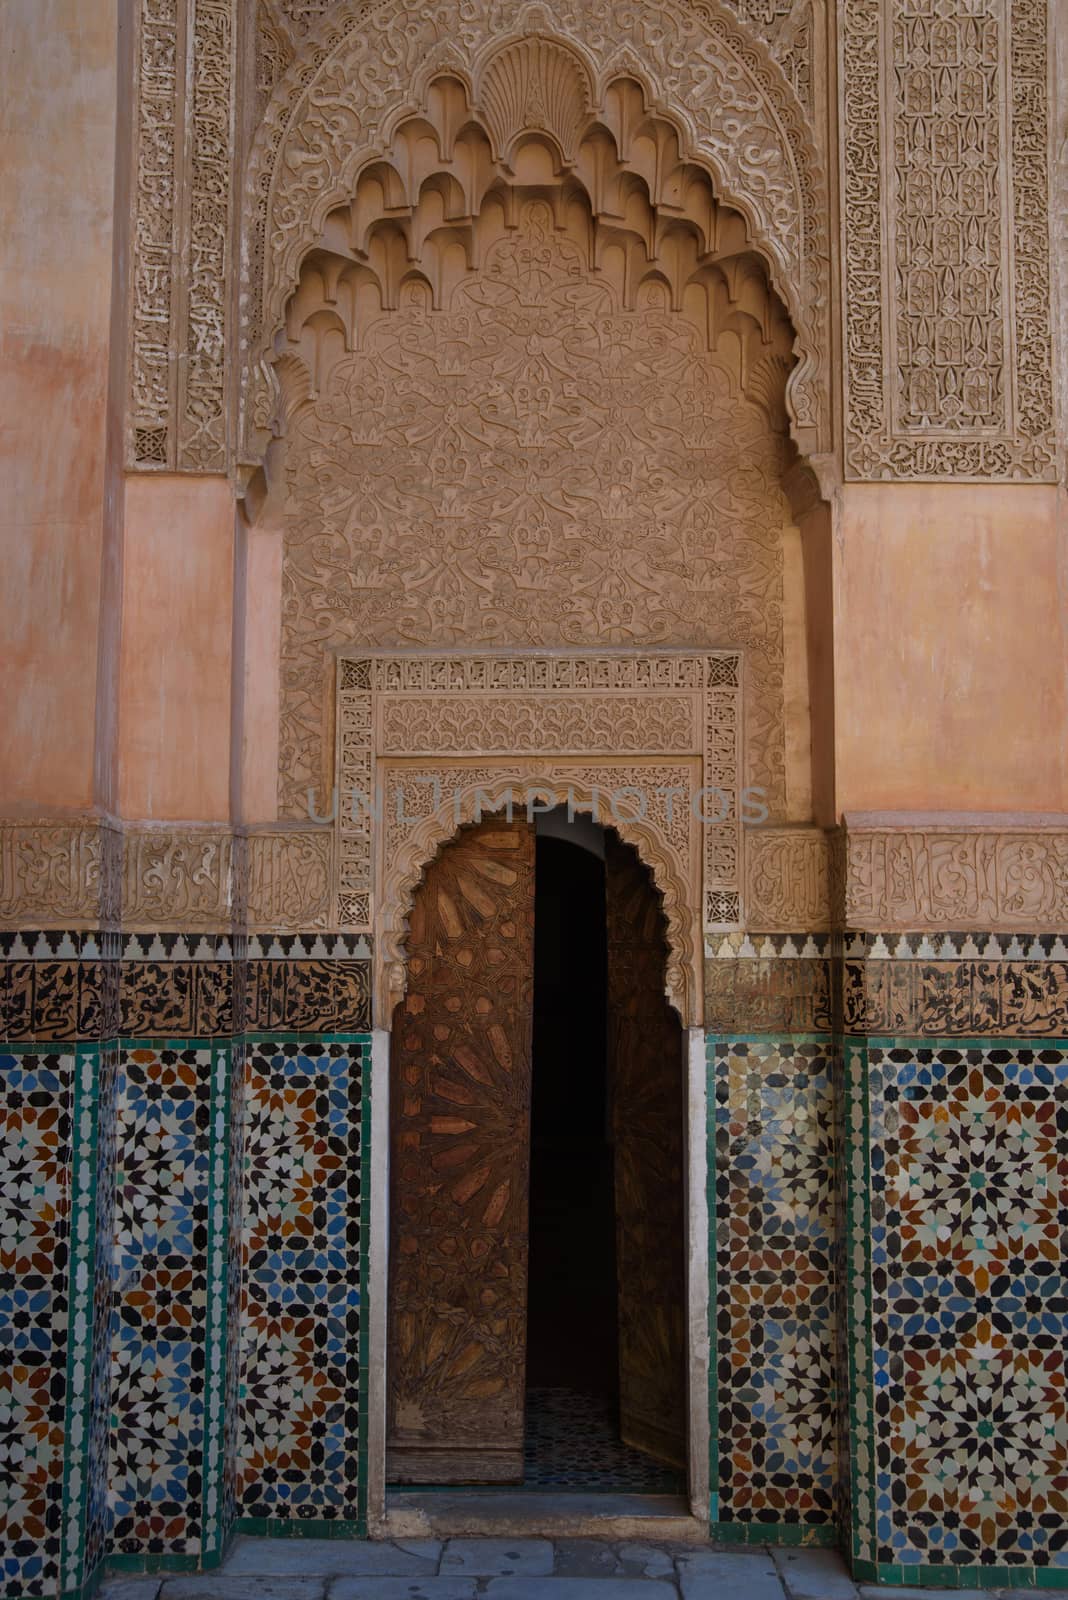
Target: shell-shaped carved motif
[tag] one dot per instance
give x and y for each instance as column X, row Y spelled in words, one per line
column 535, row 86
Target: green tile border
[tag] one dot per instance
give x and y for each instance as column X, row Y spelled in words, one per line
column 151, row 1562
column 299, row 1528
column 904, row 1575
column 796, row 1535
column 81, row 1259
column 219, row 1324
column 818, row 1036
column 711, row 1040
column 858, row 1305
column 366, row 1198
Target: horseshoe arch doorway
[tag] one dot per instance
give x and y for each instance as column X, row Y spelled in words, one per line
column 537, row 1264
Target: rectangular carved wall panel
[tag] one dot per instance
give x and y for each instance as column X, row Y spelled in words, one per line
column 449, row 709
column 180, row 236
column 787, row 879
column 946, row 240
column 927, row 875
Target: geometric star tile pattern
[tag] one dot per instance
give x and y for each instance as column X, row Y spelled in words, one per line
column 234, row 1215
column 88, row 1304
column 773, row 1219
column 160, row 1354
column 968, row 1178
column 304, row 1234
column 35, row 1157
column 98, row 1519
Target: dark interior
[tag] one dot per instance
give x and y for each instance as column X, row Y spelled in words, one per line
column 571, row 1339
column 572, row 1401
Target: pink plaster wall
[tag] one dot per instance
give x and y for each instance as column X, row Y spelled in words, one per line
column 260, row 673
column 58, row 99
column 951, row 648
column 177, row 635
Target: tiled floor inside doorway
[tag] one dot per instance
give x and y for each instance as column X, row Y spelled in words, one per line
column 572, row 1442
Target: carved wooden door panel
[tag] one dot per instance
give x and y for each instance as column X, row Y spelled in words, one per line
column 460, row 1149
column 646, row 1065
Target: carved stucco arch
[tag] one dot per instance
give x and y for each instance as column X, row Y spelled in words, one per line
column 468, row 805
column 359, row 74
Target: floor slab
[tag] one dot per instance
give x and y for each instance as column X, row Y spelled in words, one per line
column 498, row 1558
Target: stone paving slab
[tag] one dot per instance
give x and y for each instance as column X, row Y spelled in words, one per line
column 222, row 1586
column 728, row 1575
column 364, row 1558
column 644, row 1561
column 814, row 1575
column 499, row 1558
column 586, row 1558
column 580, row 1589
column 605, row 1558
column 471, row 1568
column 403, row 1588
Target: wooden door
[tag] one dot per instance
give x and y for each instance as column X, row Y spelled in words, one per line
column 646, row 1067
column 460, row 1149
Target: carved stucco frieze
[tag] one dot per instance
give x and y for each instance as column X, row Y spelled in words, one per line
column 181, row 220
column 289, row 880
column 518, row 724
column 946, row 230
column 665, row 772
column 359, row 68
column 64, row 873
column 181, row 878
column 945, row 171
column 787, row 879
column 551, row 457
column 935, row 875
column 55, row 874
column 788, row 28
column 92, row 873
column 665, row 838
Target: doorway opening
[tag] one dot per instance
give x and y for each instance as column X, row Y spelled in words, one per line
column 537, row 1263
column 574, row 1429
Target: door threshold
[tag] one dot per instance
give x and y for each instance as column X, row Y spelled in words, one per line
column 545, row 1513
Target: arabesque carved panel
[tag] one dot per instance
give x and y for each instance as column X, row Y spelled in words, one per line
column 649, row 742
column 945, row 173
column 181, row 219
column 930, row 876
column 553, row 456
column 787, row 879
column 590, row 724
column 351, row 72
